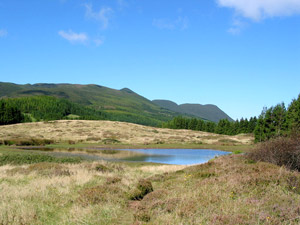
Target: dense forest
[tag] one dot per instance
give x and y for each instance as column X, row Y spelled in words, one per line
column 43, row 108
column 273, row 122
column 9, row 114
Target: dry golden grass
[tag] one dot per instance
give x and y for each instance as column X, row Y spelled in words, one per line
column 30, row 196
column 113, row 132
column 227, row 190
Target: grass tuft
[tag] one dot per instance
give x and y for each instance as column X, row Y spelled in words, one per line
column 143, row 188
column 102, row 168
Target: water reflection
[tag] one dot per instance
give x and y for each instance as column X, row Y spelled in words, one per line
column 165, row 156
column 175, row 156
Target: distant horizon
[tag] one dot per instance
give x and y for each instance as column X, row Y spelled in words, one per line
column 230, row 53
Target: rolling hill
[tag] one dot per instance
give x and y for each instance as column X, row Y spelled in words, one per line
column 208, row 112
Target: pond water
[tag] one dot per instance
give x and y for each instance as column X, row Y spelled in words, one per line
column 175, row 156
column 164, row 156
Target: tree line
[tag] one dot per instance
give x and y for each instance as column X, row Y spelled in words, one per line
column 222, row 127
column 278, row 121
column 272, row 122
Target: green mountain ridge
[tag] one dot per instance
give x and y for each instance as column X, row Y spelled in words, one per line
column 122, row 105
column 208, row 112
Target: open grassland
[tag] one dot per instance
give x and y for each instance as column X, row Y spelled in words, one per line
column 227, row 190
column 40, row 187
column 116, row 133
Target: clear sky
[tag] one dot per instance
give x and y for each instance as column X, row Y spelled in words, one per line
column 241, row 55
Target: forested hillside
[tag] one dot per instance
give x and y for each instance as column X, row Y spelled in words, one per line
column 43, row 108
column 39, row 108
column 121, row 105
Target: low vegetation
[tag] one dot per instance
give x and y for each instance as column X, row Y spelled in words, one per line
column 15, row 158
column 228, row 190
column 281, row 151
column 26, row 142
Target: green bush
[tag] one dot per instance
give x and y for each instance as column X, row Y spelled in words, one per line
column 8, row 142
column 237, row 152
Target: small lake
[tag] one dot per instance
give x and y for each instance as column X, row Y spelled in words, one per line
column 175, row 156
column 164, row 156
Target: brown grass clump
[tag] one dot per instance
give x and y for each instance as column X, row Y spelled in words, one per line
column 282, row 151
column 142, row 215
column 71, row 142
column 100, row 194
column 113, row 180
column 157, row 200
column 102, row 168
column 93, row 195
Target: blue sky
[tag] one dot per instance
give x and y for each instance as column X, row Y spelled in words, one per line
column 241, row 55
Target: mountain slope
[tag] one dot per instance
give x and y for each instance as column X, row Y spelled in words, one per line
column 208, row 112
column 122, row 105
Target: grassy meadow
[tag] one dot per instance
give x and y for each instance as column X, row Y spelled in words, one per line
column 37, row 187
column 114, row 133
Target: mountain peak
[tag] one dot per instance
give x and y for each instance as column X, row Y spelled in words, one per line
column 127, row 90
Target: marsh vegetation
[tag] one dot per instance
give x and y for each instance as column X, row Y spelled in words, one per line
column 227, row 190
